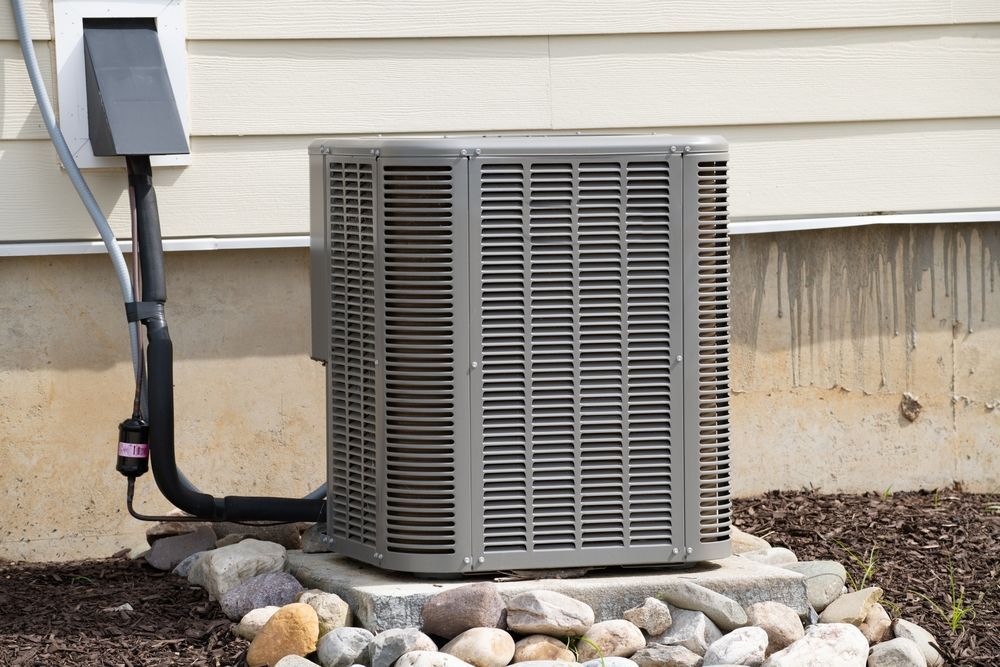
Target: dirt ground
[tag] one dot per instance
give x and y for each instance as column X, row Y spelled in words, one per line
column 65, row 613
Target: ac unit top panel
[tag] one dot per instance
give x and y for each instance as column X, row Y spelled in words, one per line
column 572, row 144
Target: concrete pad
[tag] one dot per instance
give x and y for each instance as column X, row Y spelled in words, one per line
column 382, row 599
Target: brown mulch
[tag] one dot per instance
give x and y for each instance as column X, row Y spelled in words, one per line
column 59, row 614
column 923, row 542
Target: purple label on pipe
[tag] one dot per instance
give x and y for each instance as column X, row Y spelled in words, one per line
column 133, row 450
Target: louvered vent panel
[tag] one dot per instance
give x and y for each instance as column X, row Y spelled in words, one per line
column 352, row 352
column 420, row 433
column 713, row 352
column 575, row 333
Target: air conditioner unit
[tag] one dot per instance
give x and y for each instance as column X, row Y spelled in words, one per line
column 526, row 343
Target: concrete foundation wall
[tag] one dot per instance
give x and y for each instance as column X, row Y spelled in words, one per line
column 829, row 329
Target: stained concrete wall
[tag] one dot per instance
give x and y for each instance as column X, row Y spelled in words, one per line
column 829, row 329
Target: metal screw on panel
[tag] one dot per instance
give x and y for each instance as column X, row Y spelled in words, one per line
column 673, row 148
column 680, row 358
column 464, row 152
column 676, row 551
column 466, row 560
column 324, row 149
column 690, row 550
column 475, row 364
column 482, row 559
column 687, row 148
column 479, row 151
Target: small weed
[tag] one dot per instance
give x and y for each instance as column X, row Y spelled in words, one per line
column 992, row 508
column 80, row 578
column 936, row 498
column 957, row 609
column 865, row 563
column 887, row 493
column 573, row 644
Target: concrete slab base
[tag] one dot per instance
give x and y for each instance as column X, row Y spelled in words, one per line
column 382, row 600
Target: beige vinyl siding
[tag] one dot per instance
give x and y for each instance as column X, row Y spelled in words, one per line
column 39, row 14
column 258, row 185
column 832, row 108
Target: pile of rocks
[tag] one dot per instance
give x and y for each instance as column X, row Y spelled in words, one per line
column 686, row 625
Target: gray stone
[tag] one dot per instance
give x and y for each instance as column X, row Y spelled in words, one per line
column 824, row 580
column 288, row 535
column 388, row 646
column 313, row 542
column 548, row 613
column 264, row 590
column 168, row 552
column 741, row 542
column 342, row 647
column 742, row 646
column 613, row 661
column 332, row 611
column 839, row 644
column 781, row 624
column 294, row 661
column 382, row 599
column 724, row 611
column 774, row 556
column 618, row 638
column 452, row 612
column 253, row 621
column 691, row 629
column 876, row 624
column 653, row 616
column 897, row 652
column 661, row 655
column 183, row 568
column 230, row 539
column 482, row 647
column 163, row 529
column 851, row 608
column 543, row 663
column 222, row 569
column 924, row 640
column 542, row 648
column 429, row 659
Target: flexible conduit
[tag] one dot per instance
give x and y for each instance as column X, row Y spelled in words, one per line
column 75, row 177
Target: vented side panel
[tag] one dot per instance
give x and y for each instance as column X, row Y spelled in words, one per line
column 707, row 338
column 576, row 349
column 352, row 372
column 424, row 427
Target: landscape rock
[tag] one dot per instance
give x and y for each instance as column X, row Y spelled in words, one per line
column 253, row 621
column 288, row 535
column 779, row 621
column 332, row 611
column 163, row 529
column 691, row 629
column 312, row 540
column 613, row 661
column 661, row 655
column 924, row 640
column 271, row 589
column 294, row 661
column 742, row 542
column 851, row 608
column 653, row 616
column 876, row 625
column 824, row 580
column 548, row 613
column 429, row 659
column 840, row 644
column 183, row 568
column 220, row 570
column 774, row 556
column 232, row 538
column 388, row 646
column 542, row 648
column 897, row 652
column 482, row 647
column 343, row 647
column 724, row 611
column 616, row 638
column 168, row 552
column 452, row 612
column 742, row 646
column 292, row 630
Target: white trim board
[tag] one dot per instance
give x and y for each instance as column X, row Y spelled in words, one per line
column 71, row 81
column 738, row 227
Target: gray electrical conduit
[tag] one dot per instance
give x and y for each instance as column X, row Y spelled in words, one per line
column 86, row 196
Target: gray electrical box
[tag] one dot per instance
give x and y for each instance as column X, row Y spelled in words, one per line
column 527, row 349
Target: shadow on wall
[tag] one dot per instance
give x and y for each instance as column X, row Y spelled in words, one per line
column 66, row 312
column 860, row 307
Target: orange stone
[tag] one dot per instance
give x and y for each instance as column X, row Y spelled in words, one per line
column 292, row 630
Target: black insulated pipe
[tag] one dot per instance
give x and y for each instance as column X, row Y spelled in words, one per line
column 160, row 379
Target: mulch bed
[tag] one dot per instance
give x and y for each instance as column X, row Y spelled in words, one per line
column 923, row 542
column 57, row 613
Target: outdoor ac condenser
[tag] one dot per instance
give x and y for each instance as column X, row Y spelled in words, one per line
column 526, row 342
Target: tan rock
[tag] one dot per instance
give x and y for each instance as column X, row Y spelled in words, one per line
column 876, row 625
column 482, row 647
column 254, row 621
column 542, row 647
column 851, row 608
column 743, row 542
column 779, row 621
column 652, row 616
column 331, row 609
column 610, row 639
column 292, row 630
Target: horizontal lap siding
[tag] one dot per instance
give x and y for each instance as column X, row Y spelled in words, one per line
column 19, row 117
column 259, row 185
